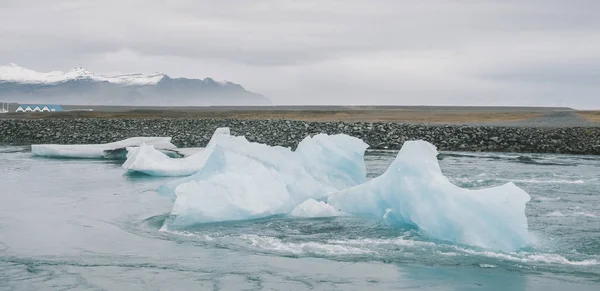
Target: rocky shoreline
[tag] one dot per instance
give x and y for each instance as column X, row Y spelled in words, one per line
column 197, row 132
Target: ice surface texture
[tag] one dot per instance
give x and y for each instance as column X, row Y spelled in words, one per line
column 97, row 151
column 313, row 208
column 244, row 180
column 414, row 191
column 148, row 160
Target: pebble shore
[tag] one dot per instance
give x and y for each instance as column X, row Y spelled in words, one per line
column 197, row 132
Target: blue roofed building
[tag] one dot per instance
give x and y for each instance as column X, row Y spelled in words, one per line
column 39, row 108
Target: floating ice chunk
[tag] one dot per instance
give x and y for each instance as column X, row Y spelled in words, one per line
column 414, row 191
column 150, row 161
column 146, row 159
column 97, row 151
column 244, row 180
column 314, row 208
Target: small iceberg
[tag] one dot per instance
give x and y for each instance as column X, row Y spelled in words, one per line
column 98, row 151
column 148, row 160
column 244, row 180
column 414, row 191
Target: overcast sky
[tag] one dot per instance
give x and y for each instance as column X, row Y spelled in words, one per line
column 444, row 52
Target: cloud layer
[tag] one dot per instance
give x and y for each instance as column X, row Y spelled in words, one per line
column 502, row 52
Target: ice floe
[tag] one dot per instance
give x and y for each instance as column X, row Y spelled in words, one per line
column 151, row 161
column 97, row 151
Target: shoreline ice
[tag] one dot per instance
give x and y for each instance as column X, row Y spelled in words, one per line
column 97, row 151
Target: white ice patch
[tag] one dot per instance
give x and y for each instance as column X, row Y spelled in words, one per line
column 244, row 180
column 148, row 160
column 97, row 151
column 414, row 191
column 312, row 208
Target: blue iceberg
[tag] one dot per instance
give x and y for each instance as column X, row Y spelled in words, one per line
column 245, row 180
column 414, row 191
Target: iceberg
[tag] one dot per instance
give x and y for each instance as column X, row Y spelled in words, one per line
column 244, row 180
column 97, row 151
column 413, row 191
column 148, row 160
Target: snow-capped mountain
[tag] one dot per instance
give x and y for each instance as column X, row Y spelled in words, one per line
column 79, row 86
column 18, row 74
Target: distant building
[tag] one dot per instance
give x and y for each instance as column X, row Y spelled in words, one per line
column 39, row 108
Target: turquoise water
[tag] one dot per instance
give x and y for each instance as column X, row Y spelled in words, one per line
column 84, row 225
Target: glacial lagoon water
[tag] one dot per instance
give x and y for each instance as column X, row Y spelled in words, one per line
column 83, row 225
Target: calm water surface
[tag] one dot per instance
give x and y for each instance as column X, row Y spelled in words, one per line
column 84, row 225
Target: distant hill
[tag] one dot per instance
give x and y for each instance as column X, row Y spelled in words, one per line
column 82, row 87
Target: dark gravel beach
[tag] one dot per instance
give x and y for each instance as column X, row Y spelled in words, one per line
column 491, row 131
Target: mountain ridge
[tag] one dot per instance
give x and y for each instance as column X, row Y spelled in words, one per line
column 84, row 87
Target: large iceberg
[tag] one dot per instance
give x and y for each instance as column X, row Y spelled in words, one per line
column 244, row 180
column 148, row 160
column 414, row 191
column 97, row 151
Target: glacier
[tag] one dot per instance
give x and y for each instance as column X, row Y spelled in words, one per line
column 244, row 180
column 148, row 160
column 413, row 191
column 97, row 151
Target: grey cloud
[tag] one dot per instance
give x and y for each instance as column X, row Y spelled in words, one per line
column 381, row 51
column 571, row 74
